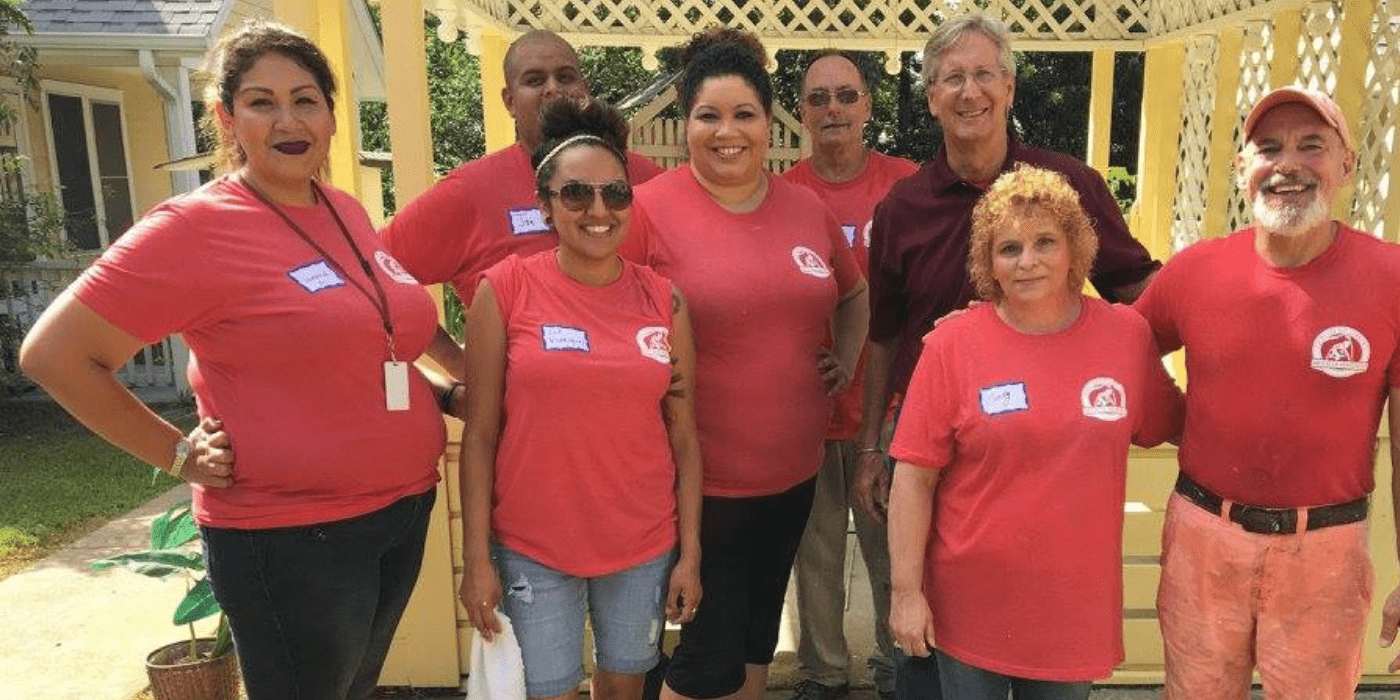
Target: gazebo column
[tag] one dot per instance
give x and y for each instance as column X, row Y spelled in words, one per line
column 327, row 23
column 1353, row 55
column 1100, row 111
column 426, row 649
column 1225, row 119
column 1288, row 26
column 1157, row 147
column 497, row 125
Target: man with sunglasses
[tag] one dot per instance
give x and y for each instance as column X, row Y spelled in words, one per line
column 920, row 236
column 487, row 209
column 851, row 179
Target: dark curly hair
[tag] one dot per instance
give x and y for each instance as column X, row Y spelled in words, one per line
column 719, row 52
column 566, row 124
column 235, row 55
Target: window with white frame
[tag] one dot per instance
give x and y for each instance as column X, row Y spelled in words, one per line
column 87, row 145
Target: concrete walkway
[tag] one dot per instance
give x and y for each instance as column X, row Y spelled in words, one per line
column 67, row 631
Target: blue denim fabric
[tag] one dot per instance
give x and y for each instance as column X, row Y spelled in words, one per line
column 313, row 609
column 965, row 682
column 547, row 609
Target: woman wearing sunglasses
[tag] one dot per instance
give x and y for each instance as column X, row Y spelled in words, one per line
column 580, row 463
column 767, row 269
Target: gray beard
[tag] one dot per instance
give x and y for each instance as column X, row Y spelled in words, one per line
column 1288, row 220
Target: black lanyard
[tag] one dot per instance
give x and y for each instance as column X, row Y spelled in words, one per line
column 378, row 300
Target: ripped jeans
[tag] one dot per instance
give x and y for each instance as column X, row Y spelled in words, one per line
column 547, row 609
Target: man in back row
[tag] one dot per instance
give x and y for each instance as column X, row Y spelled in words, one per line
column 487, row 209
column 920, row 236
column 851, row 179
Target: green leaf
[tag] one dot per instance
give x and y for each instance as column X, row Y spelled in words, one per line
column 156, row 564
column 198, row 604
column 174, row 528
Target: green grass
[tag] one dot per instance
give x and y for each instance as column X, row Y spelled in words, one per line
column 58, row 481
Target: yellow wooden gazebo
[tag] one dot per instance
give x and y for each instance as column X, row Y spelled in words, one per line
column 1206, row 62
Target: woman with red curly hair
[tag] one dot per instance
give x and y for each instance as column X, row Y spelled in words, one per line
column 1006, row 513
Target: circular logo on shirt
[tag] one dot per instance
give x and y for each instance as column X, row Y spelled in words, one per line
column 1103, row 398
column 809, row 263
column 393, row 269
column 1341, row 351
column 655, row 342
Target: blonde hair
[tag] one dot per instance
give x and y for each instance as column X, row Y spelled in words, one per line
column 1013, row 195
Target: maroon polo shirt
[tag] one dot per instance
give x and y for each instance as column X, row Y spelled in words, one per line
column 919, row 242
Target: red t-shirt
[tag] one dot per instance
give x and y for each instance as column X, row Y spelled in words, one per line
column 480, row 213
column 761, row 288
column 853, row 202
column 920, row 235
column 585, row 482
column 284, row 350
column 1023, row 568
column 1287, row 368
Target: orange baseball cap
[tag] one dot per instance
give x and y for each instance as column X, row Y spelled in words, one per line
column 1317, row 101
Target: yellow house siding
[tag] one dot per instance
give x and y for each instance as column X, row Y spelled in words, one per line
column 143, row 116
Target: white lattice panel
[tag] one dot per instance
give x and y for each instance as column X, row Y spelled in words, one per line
column 1174, row 15
column 1318, row 44
column 652, row 22
column 1256, row 55
column 1193, row 146
column 1380, row 116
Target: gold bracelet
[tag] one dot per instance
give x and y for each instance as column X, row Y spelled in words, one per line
column 869, row 450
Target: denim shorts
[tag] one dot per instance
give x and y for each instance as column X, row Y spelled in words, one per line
column 547, row 609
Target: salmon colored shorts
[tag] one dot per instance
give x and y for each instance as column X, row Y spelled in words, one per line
column 1294, row 605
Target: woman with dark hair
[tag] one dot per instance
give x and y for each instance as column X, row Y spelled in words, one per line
column 580, row 462
column 302, row 330
column 1006, row 514
column 767, row 272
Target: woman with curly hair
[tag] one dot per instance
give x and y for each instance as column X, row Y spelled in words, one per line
column 580, row 462
column 767, row 271
column 1006, row 513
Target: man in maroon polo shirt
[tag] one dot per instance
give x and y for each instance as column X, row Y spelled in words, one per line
column 919, row 235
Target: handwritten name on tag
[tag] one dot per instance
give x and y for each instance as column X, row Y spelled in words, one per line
column 527, row 221
column 316, row 276
column 1004, row 398
column 564, row 338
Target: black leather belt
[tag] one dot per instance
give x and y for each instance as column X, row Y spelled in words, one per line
column 1272, row 521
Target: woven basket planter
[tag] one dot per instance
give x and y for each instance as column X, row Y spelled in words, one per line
column 175, row 678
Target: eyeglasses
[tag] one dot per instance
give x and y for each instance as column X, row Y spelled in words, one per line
column 578, row 196
column 845, row 95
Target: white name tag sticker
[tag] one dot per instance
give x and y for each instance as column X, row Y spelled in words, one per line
column 564, row 338
column 316, row 276
column 850, row 231
column 527, row 221
column 396, row 386
column 1004, row 398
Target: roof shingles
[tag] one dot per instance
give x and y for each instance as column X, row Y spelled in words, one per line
column 170, row 17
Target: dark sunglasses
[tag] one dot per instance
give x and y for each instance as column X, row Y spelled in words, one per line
column 578, row 196
column 846, row 96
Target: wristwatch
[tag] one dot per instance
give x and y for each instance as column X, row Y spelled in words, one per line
column 182, row 455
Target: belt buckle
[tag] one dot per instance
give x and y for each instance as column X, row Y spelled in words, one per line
column 1265, row 521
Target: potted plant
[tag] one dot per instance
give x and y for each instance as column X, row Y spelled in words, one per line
column 202, row 668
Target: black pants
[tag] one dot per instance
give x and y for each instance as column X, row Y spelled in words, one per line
column 313, row 609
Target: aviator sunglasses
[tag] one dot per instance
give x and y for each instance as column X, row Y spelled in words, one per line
column 845, row 95
column 578, row 196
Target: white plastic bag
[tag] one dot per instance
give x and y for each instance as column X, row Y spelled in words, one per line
column 497, row 670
